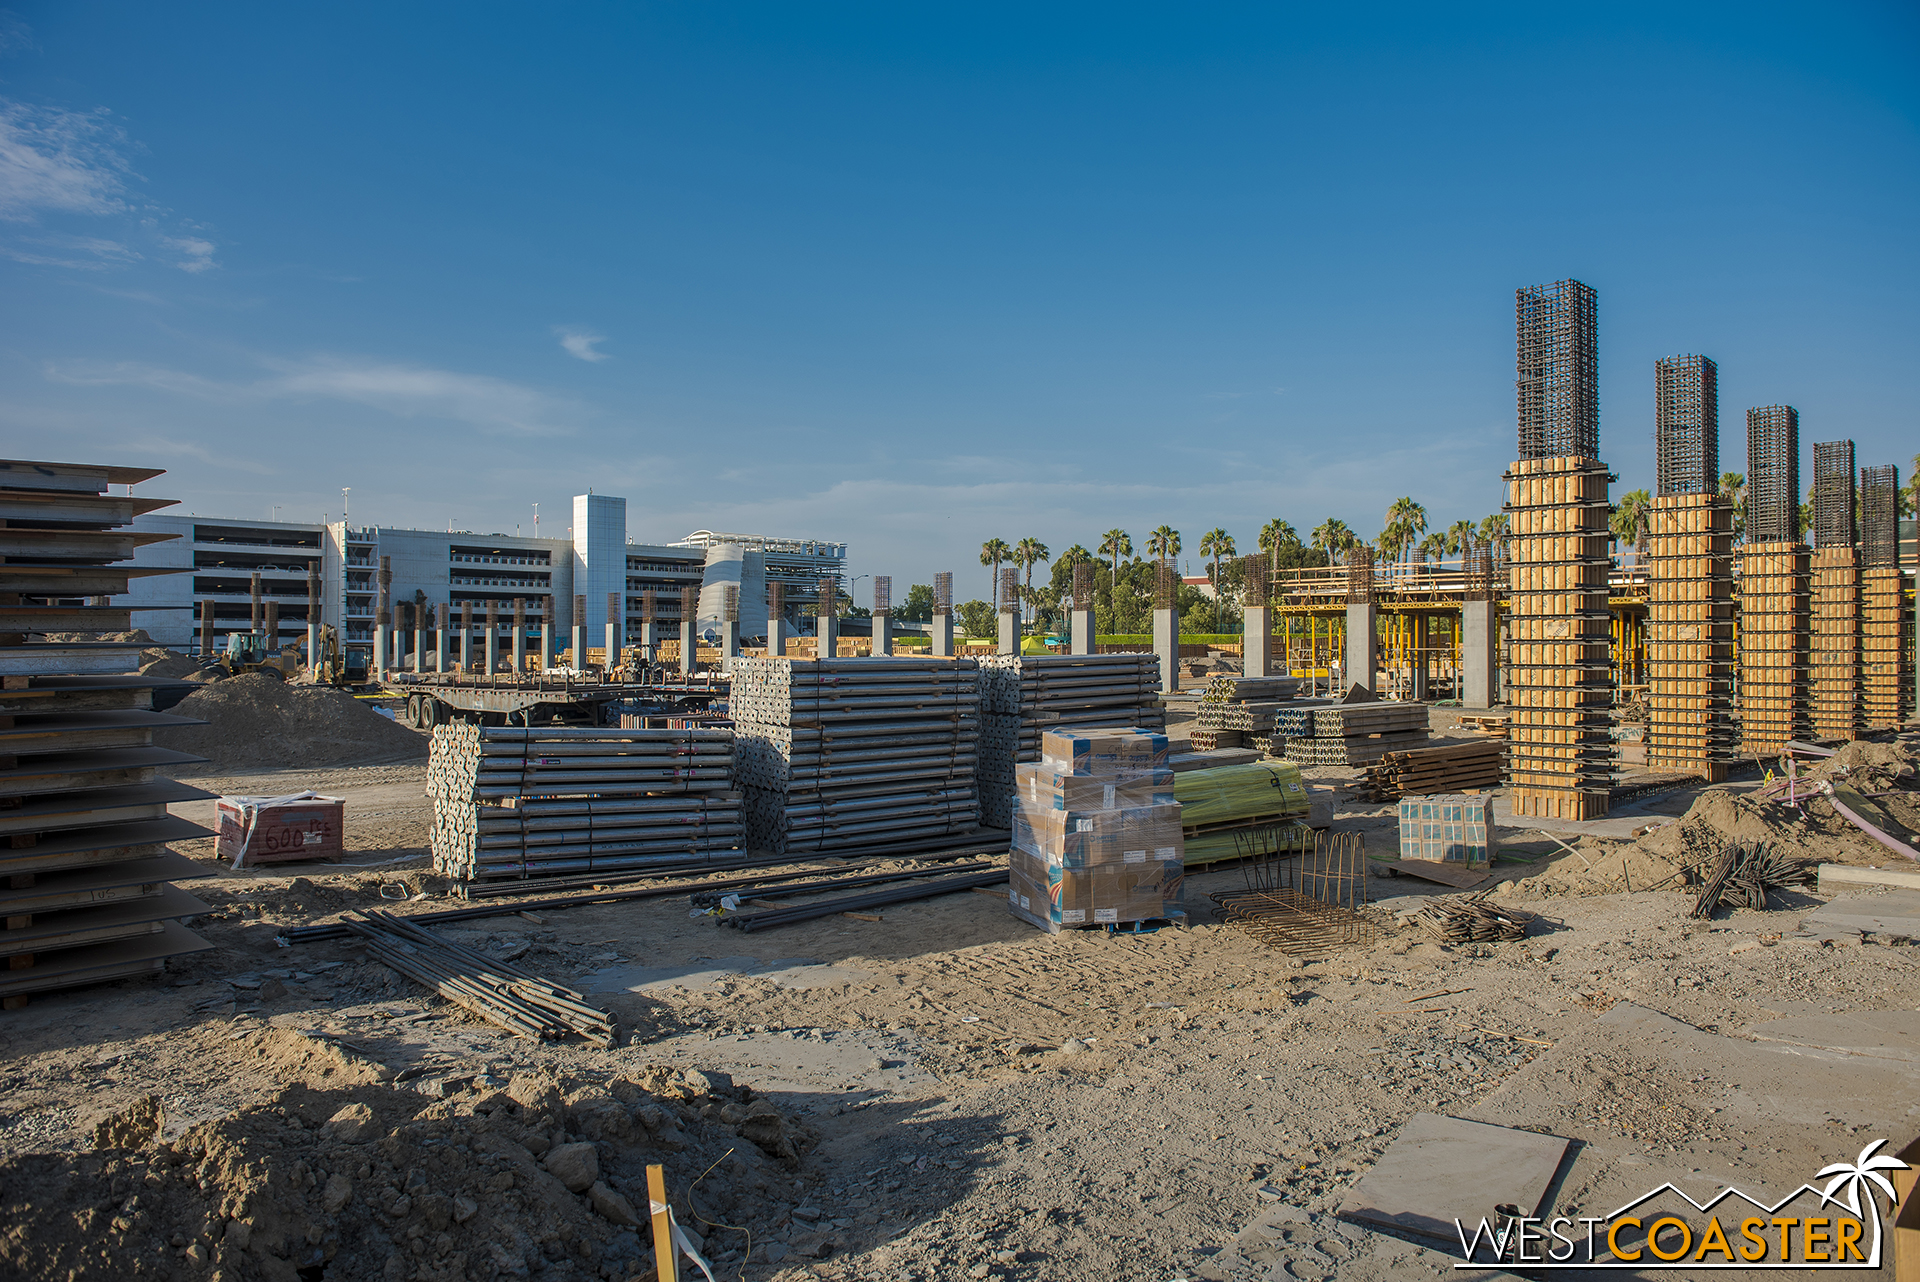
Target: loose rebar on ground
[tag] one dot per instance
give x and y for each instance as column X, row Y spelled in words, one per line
column 1314, row 907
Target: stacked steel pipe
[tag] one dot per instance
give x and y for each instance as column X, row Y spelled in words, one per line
column 1240, row 711
column 1025, row 696
column 518, row 802
column 856, row 751
column 85, row 872
column 1351, row 734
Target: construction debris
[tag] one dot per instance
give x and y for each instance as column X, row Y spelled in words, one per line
column 518, row 802
column 1471, row 919
column 1743, row 875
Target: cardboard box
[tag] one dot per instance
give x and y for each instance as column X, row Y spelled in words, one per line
column 1448, row 828
column 1045, row 787
column 1089, row 839
column 1121, row 751
column 265, row 830
column 1057, row 899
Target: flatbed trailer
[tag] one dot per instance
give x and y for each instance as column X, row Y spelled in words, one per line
column 439, row 698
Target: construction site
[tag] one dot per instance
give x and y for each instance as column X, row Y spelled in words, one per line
column 1456, row 910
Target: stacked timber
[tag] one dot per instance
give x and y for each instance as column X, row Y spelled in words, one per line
column 1026, row 696
column 1774, row 634
column 855, row 752
column 1560, row 665
column 1463, row 767
column 1350, row 734
column 1690, row 635
column 85, row 873
column 512, row 801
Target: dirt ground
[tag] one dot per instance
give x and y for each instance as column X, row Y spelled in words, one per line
column 942, row 1093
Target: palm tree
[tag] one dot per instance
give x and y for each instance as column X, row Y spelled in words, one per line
column 1116, row 544
column 1274, row 535
column 1216, row 543
column 1406, row 521
column 1164, row 543
column 992, row 553
column 1459, row 537
column 1026, row 554
column 1432, row 548
column 1733, row 488
column 1332, row 535
column 1629, row 520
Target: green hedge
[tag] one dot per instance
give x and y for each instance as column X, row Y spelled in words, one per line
column 1186, row 638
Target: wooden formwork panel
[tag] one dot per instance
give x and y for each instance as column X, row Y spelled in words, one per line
column 1553, row 803
column 1885, row 688
column 1833, row 644
column 1690, row 635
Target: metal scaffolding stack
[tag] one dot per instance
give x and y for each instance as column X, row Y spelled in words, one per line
column 1560, row 756
column 1025, row 696
column 1690, row 620
column 1885, row 647
column 1833, row 642
column 84, row 869
column 1773, row 587
column 1686, row 405
column 856, row 752
column 513, row 801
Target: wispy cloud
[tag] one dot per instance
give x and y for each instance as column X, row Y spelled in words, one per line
column 59, row 161
column 580, row 342
column 199, row 253
column 405, row 391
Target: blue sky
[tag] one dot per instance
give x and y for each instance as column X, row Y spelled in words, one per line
column 916, row 276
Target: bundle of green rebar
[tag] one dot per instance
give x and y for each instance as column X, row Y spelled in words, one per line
column 1226, row 794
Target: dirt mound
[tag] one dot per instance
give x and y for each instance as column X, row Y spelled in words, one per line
column 1604, row 868
column 1811, row 830
column 1870, row 766
column 83, row 638
column 255, row 721
column 374, row 1182
column 161, row 662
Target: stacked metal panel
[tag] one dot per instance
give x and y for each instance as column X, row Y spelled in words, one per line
column 1560, row 756
column 85, row 872
column 511, row 801
column 1886, row 688
column 1026, row 696
column 852, row 752
column 1241, row 711
column 1690, row 620
column 1352, row 734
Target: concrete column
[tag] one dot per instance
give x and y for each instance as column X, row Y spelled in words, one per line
column 466, row 644
column 1256, row 640
column 379, row 648
column 689, row 645
column 1476, row 654
column 493, row 645
column 519, row 651
column 942, row 629
column 1080, row 631
column 313, row 617
column 826, row 636
column 1166, row 644
column 579, row 652
column 419, row 640
column 1422, row 625
column 776, row 635
column 729, row 643
column 440, row 648
column 1363, row 645
column 882, row 633
column 613, row 648
column 546, row 638
column 1009, row 639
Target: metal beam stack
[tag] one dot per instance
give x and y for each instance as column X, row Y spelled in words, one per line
column 1559, row 755
column 85, row 873
column 1690, row 624
column 1024, row 696
column 1885, row 664
column 1347, row 734
column 1833, row 645
column 838, row 753
column 1773, row 587
column 511, row 801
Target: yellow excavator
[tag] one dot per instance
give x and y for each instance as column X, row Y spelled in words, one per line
column 336, row 665
column 248, row 652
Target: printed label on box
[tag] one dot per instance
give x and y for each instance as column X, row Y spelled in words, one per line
column 1133, row 856
column 1106, row 914
column 1073, row 916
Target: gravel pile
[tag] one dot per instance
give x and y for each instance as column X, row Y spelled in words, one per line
column 258, row 722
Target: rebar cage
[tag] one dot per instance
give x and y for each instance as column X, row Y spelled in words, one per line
column 882, row 594
column 1083, row 585
column 943, row 592
column 1304, row 904
column 1558, row 367
column 1833, row 494
column 1773, row 474
column 1254, row 570
column 1686, row 425
column 1880, row 515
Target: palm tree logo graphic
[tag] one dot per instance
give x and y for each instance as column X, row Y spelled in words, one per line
column 1863, row 1173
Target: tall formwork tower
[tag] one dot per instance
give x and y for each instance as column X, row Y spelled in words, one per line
column 1689, row 578
column 1560, row 678
column 1773, row 587
column 1886, row 687
column 1833, row 636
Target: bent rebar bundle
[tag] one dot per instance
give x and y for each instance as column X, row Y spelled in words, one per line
column 1314, row 908
column 1742, row 876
